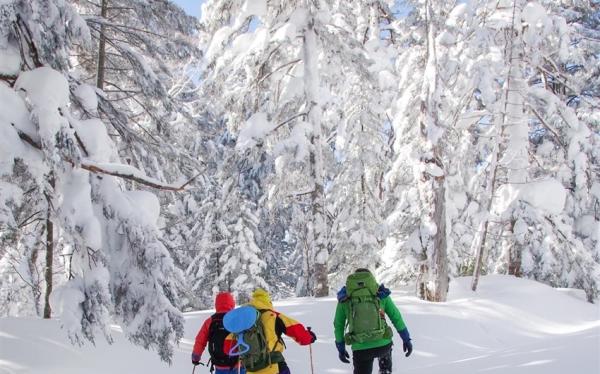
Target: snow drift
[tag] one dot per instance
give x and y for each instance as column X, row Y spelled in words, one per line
column 509, row 325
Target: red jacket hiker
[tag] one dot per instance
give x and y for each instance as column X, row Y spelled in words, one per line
column 224, row 302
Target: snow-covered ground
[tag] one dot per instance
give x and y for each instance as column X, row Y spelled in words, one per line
column 509, row 326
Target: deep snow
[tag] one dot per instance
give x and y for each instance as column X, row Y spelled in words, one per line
column 509, row 326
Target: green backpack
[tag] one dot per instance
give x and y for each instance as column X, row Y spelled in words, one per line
column 365, row 318
column 259, row 356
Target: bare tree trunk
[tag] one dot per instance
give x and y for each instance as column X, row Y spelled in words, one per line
column 433, row 279
column 514, row 256
column 49, row 256
column 422, row 280
column 441, row 280
column 102, row 48
column 35, row 283
column 49, row 267
column 479, row 255
column 516, row 128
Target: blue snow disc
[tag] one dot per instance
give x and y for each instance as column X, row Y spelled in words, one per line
column 240, row 319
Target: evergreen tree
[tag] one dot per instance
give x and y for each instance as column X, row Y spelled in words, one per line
column 115, row 268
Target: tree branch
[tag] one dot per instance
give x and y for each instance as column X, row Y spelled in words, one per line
column 547, row 126
column 133, row 173
column 277, row 69
column 289, row 120
column 122, row 28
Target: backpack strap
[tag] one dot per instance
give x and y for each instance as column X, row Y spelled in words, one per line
column 280, row 329
column 275, row 356
column 218, row 318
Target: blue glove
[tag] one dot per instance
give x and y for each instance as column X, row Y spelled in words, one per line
column 343, row 353
column 406, row 344
column 383, row 292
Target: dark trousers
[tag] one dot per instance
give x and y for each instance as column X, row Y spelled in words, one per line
column 283, row 368
column 230, row 371
column 363, row 360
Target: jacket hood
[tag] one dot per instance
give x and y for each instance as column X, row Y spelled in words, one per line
column 261, row 299
column 224, row 302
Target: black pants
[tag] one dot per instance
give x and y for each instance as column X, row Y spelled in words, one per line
column 283, row 368
column 363, row 360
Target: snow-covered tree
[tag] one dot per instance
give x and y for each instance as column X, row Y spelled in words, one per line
column 279, row 68
column 537, row 148
column 241, row 268
column 115, row 267
column 361, row 156
column 426, row 148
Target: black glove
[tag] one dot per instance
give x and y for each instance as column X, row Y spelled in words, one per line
column 407, row 347
column 312, row 334
column 343, row 353
column 195, row 363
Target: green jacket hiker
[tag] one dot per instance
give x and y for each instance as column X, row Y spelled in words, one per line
column 360, row 322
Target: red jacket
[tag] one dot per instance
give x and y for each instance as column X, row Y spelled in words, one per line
column 224, row 302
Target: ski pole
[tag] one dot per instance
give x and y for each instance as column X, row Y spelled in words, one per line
column 312, row 369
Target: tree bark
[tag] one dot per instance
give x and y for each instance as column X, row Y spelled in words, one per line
column 479, row 256
column 516, row 128
column 49, row 255
column 441, row 280
column 515, row 251
column 433, row 278
column 102, row 48
column 35, row 284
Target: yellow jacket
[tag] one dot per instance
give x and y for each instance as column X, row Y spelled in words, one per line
column 275, row 324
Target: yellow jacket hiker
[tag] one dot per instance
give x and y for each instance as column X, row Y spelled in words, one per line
column 275, row 324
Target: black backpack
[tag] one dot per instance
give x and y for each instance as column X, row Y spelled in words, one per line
column 216, row 337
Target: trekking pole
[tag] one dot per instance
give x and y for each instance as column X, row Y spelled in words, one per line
column 312, row 368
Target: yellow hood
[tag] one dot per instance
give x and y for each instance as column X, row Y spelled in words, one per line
column 261, row 299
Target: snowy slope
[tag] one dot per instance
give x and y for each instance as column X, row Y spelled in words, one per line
column 509, row 326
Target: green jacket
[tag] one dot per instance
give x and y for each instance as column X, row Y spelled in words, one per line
column 388, row 306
